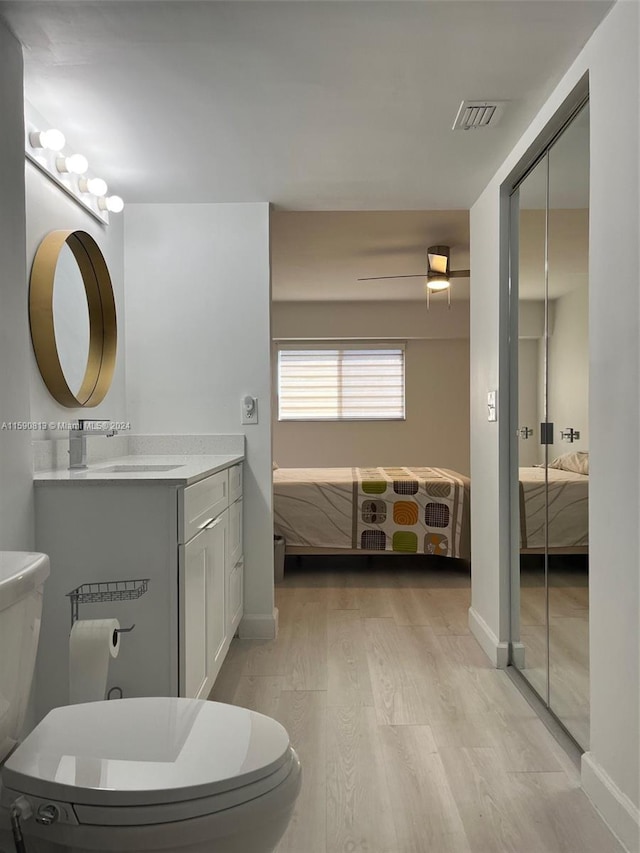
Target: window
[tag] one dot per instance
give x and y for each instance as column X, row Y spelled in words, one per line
column 341, row 383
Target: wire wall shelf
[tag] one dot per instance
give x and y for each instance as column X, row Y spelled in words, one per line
column 102, row 592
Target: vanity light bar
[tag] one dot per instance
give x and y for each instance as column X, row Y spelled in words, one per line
column 46, row 148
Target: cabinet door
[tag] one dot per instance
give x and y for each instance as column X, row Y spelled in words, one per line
column 235, row 483
column 202, row 611
column 235, row 569
column 193, row 615
column 217, row 534
column 235, row 597
column 235, row 532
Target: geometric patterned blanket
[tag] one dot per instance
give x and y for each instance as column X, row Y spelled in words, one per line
column 412, row 510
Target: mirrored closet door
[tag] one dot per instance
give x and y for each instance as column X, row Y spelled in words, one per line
column 550, row 438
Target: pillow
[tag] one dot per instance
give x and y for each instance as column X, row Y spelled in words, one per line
column 576, row 461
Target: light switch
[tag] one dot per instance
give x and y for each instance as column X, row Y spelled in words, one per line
column 249, row 410
column 492, row 406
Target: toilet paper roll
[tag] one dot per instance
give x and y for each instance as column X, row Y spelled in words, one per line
column 92, row 644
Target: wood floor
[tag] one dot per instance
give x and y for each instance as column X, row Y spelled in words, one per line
column 410, row 741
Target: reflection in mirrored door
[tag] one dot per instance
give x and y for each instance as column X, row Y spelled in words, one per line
column 568, row 404
column 531, row 201
column 549, row 272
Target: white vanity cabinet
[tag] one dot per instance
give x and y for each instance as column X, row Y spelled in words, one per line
column 186, row 538
column 210, row 577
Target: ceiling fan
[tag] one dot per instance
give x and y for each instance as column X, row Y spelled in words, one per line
column 438, row 274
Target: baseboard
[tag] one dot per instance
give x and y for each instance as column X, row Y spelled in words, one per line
column 496, row 651
column 518, row 654
column 259, row 627
column 618, row 812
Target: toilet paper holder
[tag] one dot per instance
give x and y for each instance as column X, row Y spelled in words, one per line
column 102, row 592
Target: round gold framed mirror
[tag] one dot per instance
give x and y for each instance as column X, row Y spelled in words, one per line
column 72, row 315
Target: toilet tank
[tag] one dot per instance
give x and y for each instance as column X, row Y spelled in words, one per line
column 22, row 577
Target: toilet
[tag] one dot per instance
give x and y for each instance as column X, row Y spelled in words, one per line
column 147, row 774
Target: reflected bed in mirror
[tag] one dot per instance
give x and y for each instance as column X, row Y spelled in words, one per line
column 565, row 528
column 72, row 316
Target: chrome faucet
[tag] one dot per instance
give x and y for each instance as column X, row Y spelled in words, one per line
column 78, row 441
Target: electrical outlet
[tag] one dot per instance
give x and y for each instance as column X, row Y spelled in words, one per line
column 249, row 410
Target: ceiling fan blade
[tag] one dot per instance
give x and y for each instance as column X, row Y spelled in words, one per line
column 380, row 277
column 459, row 273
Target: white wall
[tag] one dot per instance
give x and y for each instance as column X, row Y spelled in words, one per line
column 531, row 318
column 611, row 772
column 436, row 429
column 198, row 338
column 51, row 209
column 371, row 319
column 16, row 500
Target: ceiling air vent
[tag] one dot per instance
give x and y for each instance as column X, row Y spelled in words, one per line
column 477, row 114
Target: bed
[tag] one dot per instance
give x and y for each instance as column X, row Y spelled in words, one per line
column 568, row 501
column 401, row 510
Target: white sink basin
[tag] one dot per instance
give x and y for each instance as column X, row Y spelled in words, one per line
column 135, row 469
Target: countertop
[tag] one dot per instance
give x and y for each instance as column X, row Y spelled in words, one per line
column 185, row 470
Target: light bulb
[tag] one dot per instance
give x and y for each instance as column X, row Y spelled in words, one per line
column 441, row 282
column 95, row 186
column 52, row 139
column 112, row 203
column 76, row 164
column 115, row 204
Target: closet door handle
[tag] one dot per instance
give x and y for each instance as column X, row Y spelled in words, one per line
column 206, row 523
column 215, row 523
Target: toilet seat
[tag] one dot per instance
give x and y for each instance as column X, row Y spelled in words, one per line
column 130, row 762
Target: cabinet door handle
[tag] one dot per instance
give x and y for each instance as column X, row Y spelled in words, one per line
column 216, row 522
column 206, row 523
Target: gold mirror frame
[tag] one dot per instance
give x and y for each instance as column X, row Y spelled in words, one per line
column 103, row 333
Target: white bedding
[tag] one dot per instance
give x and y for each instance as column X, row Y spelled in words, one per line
column 404, row 510
column 568, row 508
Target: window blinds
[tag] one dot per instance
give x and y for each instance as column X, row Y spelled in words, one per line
column 341, row 384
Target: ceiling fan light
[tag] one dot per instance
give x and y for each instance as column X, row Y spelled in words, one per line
column 437, row 282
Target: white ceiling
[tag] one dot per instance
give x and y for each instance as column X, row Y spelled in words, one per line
column 309, row 105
